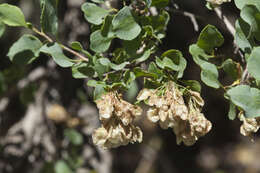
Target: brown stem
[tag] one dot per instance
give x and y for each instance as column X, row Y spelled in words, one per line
column 62, row 46
column 42, row 34
column 74, row 53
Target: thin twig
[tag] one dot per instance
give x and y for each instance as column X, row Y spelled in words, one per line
column 191, row 16
column 62, row 46
column 42, row 34
column 232, row 30
column 74, row 53
column 228, row 24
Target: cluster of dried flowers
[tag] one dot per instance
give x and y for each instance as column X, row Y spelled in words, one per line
column 169, row 109
column 218, row 2
column 249, row 126
column 117, row 117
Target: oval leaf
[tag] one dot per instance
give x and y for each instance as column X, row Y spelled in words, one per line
column 99, row 43
column 25, row 50
column 125, row 26
column 11, row 15
column 93, row 13
column 253, row 63
column 2, row 29
column 246, row 98
column 49, row 19
column 56, row 53
column 210, row 38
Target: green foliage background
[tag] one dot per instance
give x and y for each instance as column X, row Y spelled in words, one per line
column 174, row 50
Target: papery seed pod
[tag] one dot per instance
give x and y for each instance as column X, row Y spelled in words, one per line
column 152, row 115
column 170, row 110
column 117, row 128
column 197, row 98
column 144, row 94
column 115, row 136
column 105, row 105
column 249, row 126
column 188, row 131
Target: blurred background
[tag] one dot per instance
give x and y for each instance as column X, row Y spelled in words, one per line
column 47, row 117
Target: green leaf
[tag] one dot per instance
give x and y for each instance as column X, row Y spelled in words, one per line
column 25, row 50
column 98, row 1
column 253, row 63
column 129, row 77
column 62, row 167
column 230, row 67
column 155, row 70
column 107, row 28
column 49, row 19
column 94, row 83
column 142, row 73
column 124, row 25
column 99, row 68
column 82, row 70
column 99, row 88
column 98, row 43
column 166, row 63
column 56, row 53
column 246, row 98
column 132, row 91
column 232, row 111
column 241, row 36
column 2, row 29
column 160, row 3
column 196, row 51
column 178, row 59
column 209, row 74
column 210, row 38
column 251, row 15
column 106, row 62
column 98, row 92
column 192, row 84
column 151, row 84
column 11, row 15
column 144, row 56
column 93, row 13
column 241, row 3
column 76, row 46
column 73, row 136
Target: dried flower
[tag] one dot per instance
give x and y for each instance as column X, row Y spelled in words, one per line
column 116, row 116
column 170, row 110
column 115, row 134
column 249, row 126
column 196, row 126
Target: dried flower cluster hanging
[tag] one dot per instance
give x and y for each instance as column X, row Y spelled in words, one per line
column 169, row 109
column 117, row 117
column 249, row 126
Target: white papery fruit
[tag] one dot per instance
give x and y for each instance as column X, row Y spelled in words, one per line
column 116, row 116
column 170, row 110
column 249, row 126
